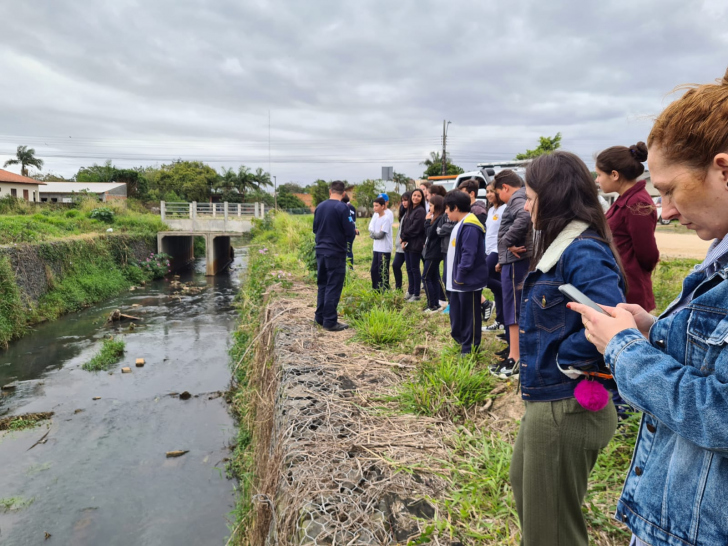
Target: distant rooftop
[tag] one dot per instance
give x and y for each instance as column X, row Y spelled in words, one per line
column 90, row 187
column 7, row 176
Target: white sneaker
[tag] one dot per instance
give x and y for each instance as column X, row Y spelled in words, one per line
column 443, row 303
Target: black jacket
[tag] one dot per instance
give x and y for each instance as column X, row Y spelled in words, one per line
column 432, row 249
column 444, row 230
column 515, row 229
column 413, row 230
column 480, row 210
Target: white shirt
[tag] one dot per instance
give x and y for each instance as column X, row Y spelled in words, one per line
column 451, row 255
column 492, row 223
column 382, row 223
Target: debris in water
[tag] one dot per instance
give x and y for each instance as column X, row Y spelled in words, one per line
column 96, row 398
column 177, row 453
column 48, row 535
column 77, row 411
column 140, row 362
column 126, row 370
column 10, row 386
column 14, row 422
column 185, row 396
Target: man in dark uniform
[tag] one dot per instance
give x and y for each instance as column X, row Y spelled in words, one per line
column 333, row 226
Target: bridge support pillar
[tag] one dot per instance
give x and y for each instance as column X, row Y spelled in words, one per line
column 181, row 248
column 218, row 253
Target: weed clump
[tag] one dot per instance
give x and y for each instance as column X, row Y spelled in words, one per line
column 380, row 327
column 111, row 352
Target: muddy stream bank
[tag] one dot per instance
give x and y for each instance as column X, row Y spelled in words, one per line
column 102, row 475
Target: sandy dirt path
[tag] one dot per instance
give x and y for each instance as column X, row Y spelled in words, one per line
column 681, row 245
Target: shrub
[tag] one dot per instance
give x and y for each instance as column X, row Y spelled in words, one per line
column 157, row 265
column 104, row 214
column 72, row 214
column 111, row 352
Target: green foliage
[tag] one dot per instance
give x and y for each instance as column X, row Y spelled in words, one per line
column 402, row 182
column 156, row 265
column 111, row 352
column 97, row 173
column 433, row 166
column 380, row 327
column 25, row 156
column 244, row 180
column 190, row 180
column 73, row 213
column 667, row 280
column 287, row 201
column 365, row 194
column 545, row 145
column 358, row 298
column 24, row 422
column 104, row 214
column 292, row 187
column 319, row 191
column 307, row 253
column 12, row 318
column 447, row 387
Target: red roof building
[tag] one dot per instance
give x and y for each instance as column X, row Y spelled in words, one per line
column 19, row 186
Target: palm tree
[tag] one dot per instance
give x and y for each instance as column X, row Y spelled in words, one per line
column 434, row 159
column 244, row 179
column 23, row 157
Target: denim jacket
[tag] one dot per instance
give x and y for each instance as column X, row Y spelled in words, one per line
column 676, row 492
column 549, row 331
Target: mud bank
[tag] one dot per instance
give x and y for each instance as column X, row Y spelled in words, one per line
column 329, row 461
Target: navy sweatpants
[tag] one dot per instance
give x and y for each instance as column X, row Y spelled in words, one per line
column 466, row 320
column 380, row 270
column 433, row 285
column 331, row 274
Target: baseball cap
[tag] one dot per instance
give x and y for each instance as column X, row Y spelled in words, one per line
column 384, row 196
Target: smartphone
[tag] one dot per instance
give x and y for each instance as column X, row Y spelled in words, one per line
column 576, row 295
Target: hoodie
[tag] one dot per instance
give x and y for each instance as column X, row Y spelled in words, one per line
column 469, row 271
column 480, row 209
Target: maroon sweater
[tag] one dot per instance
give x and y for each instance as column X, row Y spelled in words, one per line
column 632, row 219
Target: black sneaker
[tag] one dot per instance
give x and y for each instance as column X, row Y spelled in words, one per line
column 506, row 369
column 495, row 327
column 503, row 353
column 338, row 327
column 486, row 308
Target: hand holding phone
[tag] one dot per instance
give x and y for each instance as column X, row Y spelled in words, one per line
column 576, row 295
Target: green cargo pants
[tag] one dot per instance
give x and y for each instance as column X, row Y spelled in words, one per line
column 556, row 449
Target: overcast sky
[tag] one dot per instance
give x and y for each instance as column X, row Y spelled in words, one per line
column 351, row 86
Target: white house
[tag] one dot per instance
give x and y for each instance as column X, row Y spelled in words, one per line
column 19, row 186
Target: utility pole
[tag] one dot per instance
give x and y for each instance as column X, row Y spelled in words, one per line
column 444, row 146
column 275, row 192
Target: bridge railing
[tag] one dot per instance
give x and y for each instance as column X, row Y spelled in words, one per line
column 180, row 210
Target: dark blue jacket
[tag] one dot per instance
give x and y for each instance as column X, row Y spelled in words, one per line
column 549, row 330
column 333, row 227
column 469, row 270
column 352, row 213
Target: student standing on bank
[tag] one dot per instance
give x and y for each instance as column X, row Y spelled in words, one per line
column 398, row 250
column 468, row 272
column 412, row 234
column 478, row 208
column 515, row 246
column 632, row 218
column 559, row 438
column 380, row 229
column 675, row 368
column 433, row 253
column 333, row 226
column 350, row 242
column 492, row 225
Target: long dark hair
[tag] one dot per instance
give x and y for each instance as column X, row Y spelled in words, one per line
column 565, row 192
column 437, row 206
column 626, row 161
column 402, row 209
column 422, row 202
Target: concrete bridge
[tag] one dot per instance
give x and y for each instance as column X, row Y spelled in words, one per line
column 216, row 222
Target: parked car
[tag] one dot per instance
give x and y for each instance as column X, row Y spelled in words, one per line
column 658, row 204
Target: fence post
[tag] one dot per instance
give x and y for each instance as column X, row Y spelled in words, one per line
column 239, row 207
column 256, row 210
column 225, row 210
column 214, row 209
column 162, row 211
column 262, row 210
column 193, row 210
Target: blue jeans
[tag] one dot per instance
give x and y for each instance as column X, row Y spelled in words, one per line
column 331, row 274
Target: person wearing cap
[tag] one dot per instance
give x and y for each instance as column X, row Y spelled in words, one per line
column 388, row 212
column 350, row 241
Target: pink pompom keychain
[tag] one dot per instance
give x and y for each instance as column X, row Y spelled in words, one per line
column 591, row 395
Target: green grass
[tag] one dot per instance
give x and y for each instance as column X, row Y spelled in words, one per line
column 380, row 327
column 667, row 279
column 33, row 223
column 111, row 352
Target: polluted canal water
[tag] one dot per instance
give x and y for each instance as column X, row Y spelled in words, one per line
column 102, row 476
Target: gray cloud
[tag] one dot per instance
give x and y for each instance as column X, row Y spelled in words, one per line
column 350, row 85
